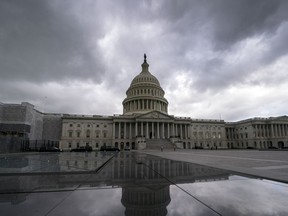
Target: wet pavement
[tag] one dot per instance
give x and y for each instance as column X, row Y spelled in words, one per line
column 130, row 183
column 271, row 165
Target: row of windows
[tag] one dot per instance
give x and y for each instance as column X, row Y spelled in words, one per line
column 207, row 135
column 208, row 145
column 97, row 145
column 237, row 129
column 145, row 91
column 206, row 127
column 237, row 136
column 87, row 134
column 88, row 125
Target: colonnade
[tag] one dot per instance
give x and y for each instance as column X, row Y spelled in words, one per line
column 150, row 130
column 145, row 104
column 271, row 130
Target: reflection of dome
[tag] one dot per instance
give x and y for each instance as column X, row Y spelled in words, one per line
column 146, row 201
column 144, row 94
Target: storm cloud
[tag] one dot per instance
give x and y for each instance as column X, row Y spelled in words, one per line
column 214, row 59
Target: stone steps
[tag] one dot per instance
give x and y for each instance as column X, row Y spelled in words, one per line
column 157, row 143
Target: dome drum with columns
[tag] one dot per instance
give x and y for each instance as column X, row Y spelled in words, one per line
column 144, row 94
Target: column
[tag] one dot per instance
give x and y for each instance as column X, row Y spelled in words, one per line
column 113, row 130
column 152, row 130
column 129, row 106
column 261, row 129
column 147, row 130
column 125, row 130
column 158, row 130
column 136, row 129
column 276, row 130
column 272, row 130
column 168, row 130
column 185, row 131
column 130, row 130
column 142, row 129
column 163, row 131
column 119, row 130
column 181, row 135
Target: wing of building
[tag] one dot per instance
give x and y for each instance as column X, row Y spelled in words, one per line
column 145, row 123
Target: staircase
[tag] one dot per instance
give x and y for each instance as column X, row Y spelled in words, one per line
column 157, row 143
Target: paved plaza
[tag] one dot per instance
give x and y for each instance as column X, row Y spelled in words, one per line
column 266, row 164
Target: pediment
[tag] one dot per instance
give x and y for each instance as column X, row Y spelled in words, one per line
column 154, row 115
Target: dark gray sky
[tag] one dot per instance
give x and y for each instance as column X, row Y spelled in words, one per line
column 216, row 58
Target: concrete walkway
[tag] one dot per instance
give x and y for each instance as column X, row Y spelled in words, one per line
column 271, row 165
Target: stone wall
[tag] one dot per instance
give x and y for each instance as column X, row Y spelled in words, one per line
column 13, row 113
column 52, row 127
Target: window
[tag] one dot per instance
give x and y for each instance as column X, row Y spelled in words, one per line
column 78, row 125
column 70, row 133
column 104, row 134
column 78, row 145
column 69, row 145
column 105, row 126
column 71, row 125
column 97, row 145
column 97, row 125
column 78, row 133
column 88, row 133
column 97, row 134
column 88, row 125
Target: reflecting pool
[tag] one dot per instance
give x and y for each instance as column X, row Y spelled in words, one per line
column 130, row 183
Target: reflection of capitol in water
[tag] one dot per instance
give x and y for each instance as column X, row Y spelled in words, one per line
column 145, row 180
column 147, row 192
column 146, row 200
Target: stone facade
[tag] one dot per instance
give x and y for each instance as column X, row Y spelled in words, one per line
column 145, row 123
column 22, row 125
column 258, row 133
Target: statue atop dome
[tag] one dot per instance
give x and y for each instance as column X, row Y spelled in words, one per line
column 145, row 57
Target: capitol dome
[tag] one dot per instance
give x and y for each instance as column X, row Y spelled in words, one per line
column 144, row 94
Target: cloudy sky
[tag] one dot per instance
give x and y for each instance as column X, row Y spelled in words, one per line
column 214, row 59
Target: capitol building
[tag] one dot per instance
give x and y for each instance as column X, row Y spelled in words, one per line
column 144, row 124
